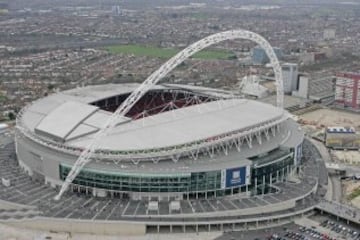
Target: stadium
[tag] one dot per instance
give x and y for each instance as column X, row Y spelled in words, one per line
column 161, row 141
column 177, row 141
column 141, row 158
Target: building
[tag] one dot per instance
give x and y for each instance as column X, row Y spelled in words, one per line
column 116, row 10
column 318, row 87
column 250, row 86
column 207, row 143
column 290, row 77
column 321, row 87
column 329, row 34
column 315, row 56
column 302, row 89
column 259, row 56
column 347, row 92
column 342, row 138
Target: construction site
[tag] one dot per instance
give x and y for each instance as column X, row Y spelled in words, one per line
column 337, row 127
column 315, row 122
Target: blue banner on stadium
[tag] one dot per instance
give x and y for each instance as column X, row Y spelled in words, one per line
column 235, row 177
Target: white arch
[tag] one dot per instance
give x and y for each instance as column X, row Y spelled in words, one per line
column 155, row 77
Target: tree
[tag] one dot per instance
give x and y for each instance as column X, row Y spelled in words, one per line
column 11, row 116
column 50, row 87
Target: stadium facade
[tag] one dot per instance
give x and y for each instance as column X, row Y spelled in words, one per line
column 176, row 142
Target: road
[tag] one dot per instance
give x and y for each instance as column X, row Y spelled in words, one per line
column 336, row 188
column 335, row 180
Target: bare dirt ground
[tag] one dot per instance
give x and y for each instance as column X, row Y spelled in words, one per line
column 356, row 202
column 348, row 187
column 332, row 117
column 350, row 157
column 315, row 121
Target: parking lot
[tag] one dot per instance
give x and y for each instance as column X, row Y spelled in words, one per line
column 296, row 232
column 341, row 229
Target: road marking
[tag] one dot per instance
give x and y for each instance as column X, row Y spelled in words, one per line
column 123, row 212
column 102, row 209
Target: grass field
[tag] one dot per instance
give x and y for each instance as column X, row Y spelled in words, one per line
column 2, row 98
column 139, row 50
column 354, row 194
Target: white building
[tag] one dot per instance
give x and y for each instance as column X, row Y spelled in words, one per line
column 303, row 88
column 290, row 77
column 329, row 34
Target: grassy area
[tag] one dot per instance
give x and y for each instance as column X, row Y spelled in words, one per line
column 354, row 194
column 139, row 50
column 3, row 11
column 199, row 15
column 2, row 98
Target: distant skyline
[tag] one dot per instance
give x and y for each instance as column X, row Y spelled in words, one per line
column 148, row 4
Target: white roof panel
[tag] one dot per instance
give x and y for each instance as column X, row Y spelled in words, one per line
column 81, row 131
column 44, row 107
column 99, row 118
column 92, row 124
column 32, row 119
column 60, row 122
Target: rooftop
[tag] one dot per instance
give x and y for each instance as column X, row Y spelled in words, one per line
column 186, row 125
column 67, row 117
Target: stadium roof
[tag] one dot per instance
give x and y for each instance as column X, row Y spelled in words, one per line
column 289, row 136
column 67, row 117
column 181, row 126
column 69, row 114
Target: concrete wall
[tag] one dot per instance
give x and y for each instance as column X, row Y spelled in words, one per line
column 77, row 226
column 237, row 212
column 43, row 160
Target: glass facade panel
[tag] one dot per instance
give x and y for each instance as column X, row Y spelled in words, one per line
column 271, row 169
column 201, row 181
column 266, row 168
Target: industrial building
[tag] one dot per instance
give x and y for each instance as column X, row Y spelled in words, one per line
column 342, row 138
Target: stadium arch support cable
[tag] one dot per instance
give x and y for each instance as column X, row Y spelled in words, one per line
column 154, row 78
